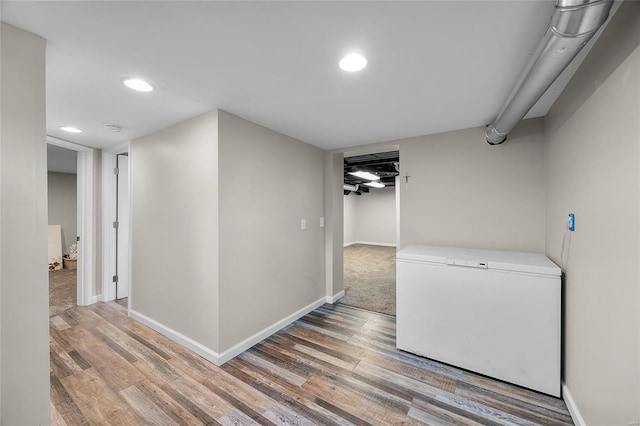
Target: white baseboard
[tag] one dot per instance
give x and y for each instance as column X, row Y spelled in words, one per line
column 221, row 358
column 370, row 243
column 571, row 406
column 198, row 348
column 237, row 349
column 96, row 299
column 333, row 299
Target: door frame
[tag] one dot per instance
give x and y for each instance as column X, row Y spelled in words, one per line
column 374, row 149
column 339, row 198
column 109, row 187
column 123, row 231
column 85, row 218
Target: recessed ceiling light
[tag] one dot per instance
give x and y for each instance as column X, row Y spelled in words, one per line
column 365, row 175
column 352, row 62
column 137, row 84
column 70, row 129
column 375, row 184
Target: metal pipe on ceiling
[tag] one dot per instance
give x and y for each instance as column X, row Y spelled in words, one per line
column 572, row 25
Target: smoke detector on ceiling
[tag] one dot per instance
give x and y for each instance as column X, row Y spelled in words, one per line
column 113, row 127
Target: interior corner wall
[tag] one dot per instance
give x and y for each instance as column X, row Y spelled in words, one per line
column 24, row 307
column 592, row 157
column 62, row 196
column 269, row 266
column 174, row 228
column 463, row 192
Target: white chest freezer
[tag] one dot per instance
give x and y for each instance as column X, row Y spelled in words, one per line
column 495, row 313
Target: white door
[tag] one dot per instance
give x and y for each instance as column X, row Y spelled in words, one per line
column 122, row 230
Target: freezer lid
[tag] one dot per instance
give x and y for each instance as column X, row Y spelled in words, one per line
column 488, row 259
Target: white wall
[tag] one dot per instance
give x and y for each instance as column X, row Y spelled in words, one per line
column 61, row 160
column 174, row 228
column 371, row 217
column 24, row 305
column 593, row 170
column 463, row 192
column 350, row 219
column 269, row 267
column 334, row 223
column 97, row 222
column 62, row 205
column 217, row 203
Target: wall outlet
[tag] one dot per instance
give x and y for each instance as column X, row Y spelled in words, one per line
column 572, row 222
column 322, row 222
column 303, row 224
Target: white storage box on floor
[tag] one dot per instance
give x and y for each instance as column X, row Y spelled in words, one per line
column 495, row 313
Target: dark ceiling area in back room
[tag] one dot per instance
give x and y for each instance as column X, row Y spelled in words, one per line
column 383, row 168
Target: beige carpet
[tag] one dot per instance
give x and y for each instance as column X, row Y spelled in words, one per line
column 62, row 290
column 370, row 278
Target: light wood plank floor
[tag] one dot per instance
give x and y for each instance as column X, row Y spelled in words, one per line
column 336, row 365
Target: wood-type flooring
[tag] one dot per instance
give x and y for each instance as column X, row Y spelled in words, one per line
column 335, row 366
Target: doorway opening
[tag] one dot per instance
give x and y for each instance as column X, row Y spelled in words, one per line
column 116, row 219
column 70, row 200
column 371, row 230
column 62, row 197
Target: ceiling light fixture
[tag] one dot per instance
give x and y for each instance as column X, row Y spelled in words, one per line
column 138, row 85
column 70, row 129
column 352, row 62
column 375, row 184
column 365, row 175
